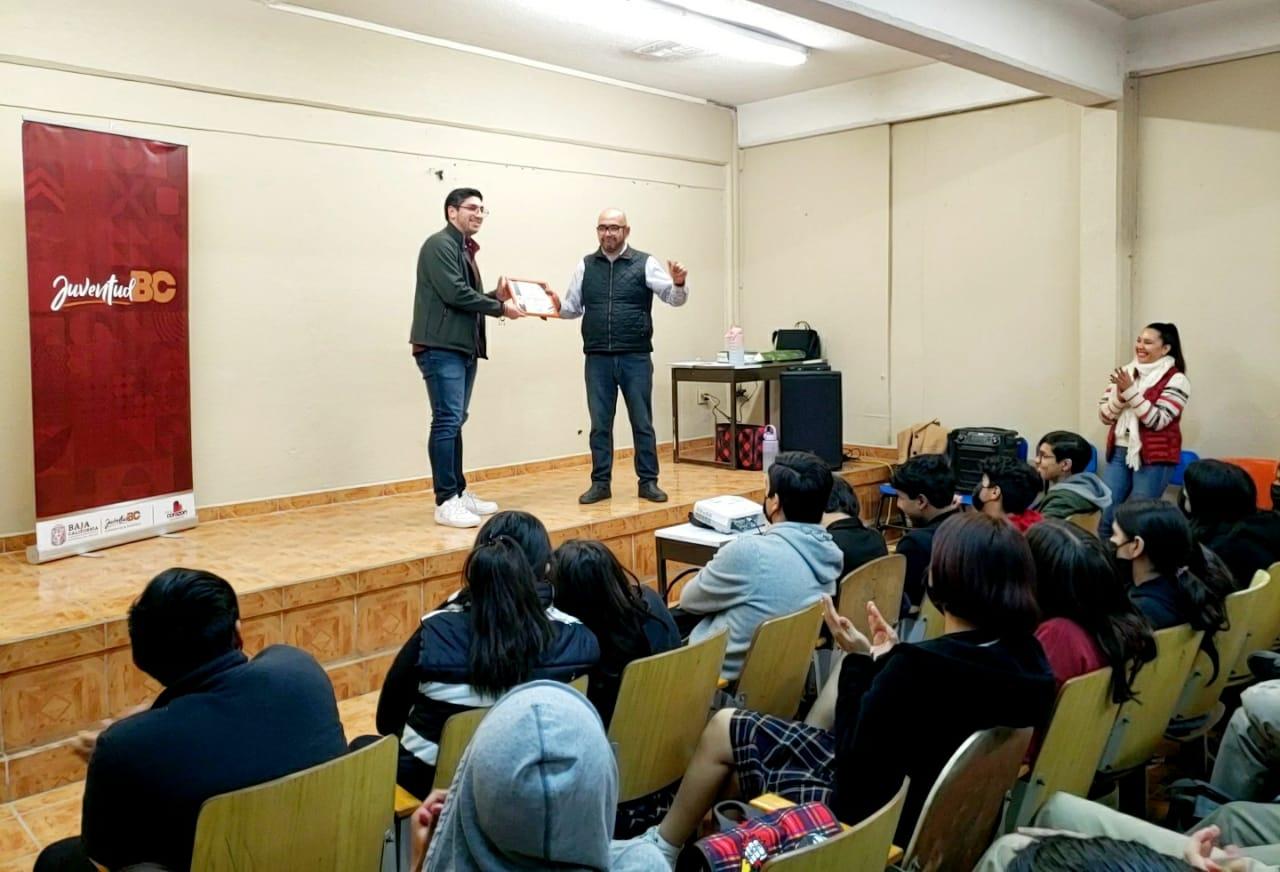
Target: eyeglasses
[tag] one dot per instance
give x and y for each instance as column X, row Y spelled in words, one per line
column 472, row 207
column 610, row 228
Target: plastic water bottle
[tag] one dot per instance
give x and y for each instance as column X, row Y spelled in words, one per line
column 768, row 448
column 734, row 344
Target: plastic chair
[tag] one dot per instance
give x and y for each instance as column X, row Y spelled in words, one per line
column 1185, row 459
column 963, row 808
column 1263, row 472
column 329, row 818
column 1083, row 716
column 1093, row 459
column 863, row 847
column 1022, row 448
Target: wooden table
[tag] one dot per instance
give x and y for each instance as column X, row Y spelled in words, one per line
column 710, row 372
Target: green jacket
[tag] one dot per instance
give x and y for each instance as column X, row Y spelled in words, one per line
column 449, row 301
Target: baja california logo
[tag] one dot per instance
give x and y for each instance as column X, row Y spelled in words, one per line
column 144, row 286
column 58, row 535
column 178, row 511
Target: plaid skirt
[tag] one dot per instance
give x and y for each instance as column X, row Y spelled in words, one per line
column 789, row 758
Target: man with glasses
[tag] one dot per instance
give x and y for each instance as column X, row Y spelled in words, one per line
column 448, row 338
column 612, row 289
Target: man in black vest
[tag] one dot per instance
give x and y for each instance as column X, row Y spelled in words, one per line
column 613, row 289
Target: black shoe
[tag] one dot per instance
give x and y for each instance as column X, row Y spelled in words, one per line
column 595, row 494
column 650, row 491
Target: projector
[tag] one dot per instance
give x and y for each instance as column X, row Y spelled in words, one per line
column 729, row 514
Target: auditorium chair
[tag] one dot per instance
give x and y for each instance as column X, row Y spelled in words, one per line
column 864, row 847
column 1263, row 472
column 1087, row 521
column 329, row 818
column 1141, row 722
column 773, row 672
column 1266, row 626
column 932, row 620
column 879, row 581
column 1072, row 746
column 663, row 704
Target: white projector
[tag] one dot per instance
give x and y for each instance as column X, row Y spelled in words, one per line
column 729, row 514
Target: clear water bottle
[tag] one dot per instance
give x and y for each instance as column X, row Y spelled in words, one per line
column 735, row 345
column 768, row 448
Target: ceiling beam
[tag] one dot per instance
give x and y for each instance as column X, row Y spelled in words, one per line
column 1205, row 34
column 1072, row 49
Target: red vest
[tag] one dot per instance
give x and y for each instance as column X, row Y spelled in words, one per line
column 1158, row 446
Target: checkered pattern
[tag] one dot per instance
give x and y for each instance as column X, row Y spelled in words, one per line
column 750, row 844
column 776, row 755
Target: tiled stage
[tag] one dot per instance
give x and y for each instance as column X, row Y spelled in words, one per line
column 346, row 581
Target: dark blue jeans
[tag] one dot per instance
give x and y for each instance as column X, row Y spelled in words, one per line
column 632, row 374
column 450, row 376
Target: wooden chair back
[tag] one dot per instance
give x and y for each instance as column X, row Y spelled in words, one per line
column 880, row 581
column 1072, row 746
column 860, row 848
column 329, row 818
column 774, row 670
column 1087, row 521
column 663, row 704
column 964, row 806
column 931, row 617
column 1246, row 609
column 1142, row 721
column 1266, row 619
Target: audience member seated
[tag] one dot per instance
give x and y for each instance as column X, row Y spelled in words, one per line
column 1007, row 490
column 1064, row 852
column 1222, row 501
column 900, row 709
column 1061, row 460
column 536, row 790
column 1250, row 830
column 223, row 722
column 1087, row 620
column 754, row 578
column 1248, row 762
column 857, row 542
column 499, row 631
column 629, row 620
column 926, row 489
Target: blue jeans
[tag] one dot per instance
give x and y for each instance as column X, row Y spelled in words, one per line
column 1148, row 483
column 606, row 374
column 450, row 376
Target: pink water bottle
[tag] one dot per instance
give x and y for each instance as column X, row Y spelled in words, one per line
column 768, row 448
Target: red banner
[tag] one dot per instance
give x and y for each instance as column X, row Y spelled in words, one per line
column 107, row 286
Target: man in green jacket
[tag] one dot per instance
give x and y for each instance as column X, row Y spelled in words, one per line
column 448, row 338
column 1062, row 458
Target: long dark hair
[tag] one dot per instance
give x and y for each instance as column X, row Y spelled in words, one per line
column 593, row 586
column 527, row 531
column 1169, row 335
column 509, row 627
column 1174, row 553
column 1075, row 579
column 981, row 571
column 1217, row 494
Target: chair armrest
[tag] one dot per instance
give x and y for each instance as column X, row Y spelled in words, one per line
column 405, row 803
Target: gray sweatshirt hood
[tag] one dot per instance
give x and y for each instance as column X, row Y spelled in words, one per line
column 1087, row 486
column 536, row 789
column 814, row 545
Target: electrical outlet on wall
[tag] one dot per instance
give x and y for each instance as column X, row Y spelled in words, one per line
column 704, row 399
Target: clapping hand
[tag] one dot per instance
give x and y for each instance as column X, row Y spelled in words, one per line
column 847, row 637
column 883, row 635
column 1201, row 852
column 678, row 272
column 1121, row 379
column 423, row 826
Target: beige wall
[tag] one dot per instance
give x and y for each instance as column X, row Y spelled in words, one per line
column 815, row 239
column 306, row 221
column 1208, row 251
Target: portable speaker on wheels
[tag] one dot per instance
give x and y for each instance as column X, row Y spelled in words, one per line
column 812, row 418
column 967, row 447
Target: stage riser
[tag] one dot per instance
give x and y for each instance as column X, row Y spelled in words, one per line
column 52, row 687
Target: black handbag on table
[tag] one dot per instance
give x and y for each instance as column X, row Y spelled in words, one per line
column 802, row 337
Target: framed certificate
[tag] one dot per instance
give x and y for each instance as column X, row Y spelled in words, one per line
column 532, row 297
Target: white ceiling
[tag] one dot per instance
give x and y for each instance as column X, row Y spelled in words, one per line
column 516, row 28
column 1141, row 8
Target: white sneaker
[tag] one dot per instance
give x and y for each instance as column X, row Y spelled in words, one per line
column 453, row 512
column 477, row 506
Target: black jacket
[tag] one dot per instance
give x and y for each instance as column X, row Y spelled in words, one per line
column 1246, row 546
column 233, row 723
column 661, row 635
column 906, row 713
column 857, row 542
column 917, row 547
column 449, row 300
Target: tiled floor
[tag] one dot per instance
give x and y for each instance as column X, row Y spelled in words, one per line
column 29, row 824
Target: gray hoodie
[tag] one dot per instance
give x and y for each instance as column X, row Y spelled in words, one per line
column 536, row 789
column 1081, row 493
column 754, row 578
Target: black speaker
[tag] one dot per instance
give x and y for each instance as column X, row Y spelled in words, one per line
column 967, row 447
column 812, row 418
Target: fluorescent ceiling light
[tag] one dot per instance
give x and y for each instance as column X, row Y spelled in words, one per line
column 652, row 19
